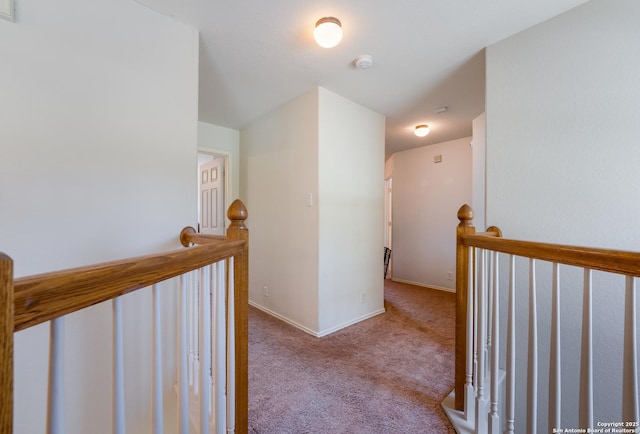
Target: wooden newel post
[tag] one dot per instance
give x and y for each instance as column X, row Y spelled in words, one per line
column 237, row 230
column 6, row 344
column 465, row 227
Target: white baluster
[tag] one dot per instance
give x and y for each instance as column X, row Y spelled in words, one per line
column 195, row 322
column 205, row 349
column 586, row 368
column 494, row 417
column 118, row 369
column 220, row 379
column 476, row 303
column 469, row 392
column 55, row 407
column 214, row 355
column 489, row 318
column 555, row 356
column 630, row 401
column 183, row 377
column 532, row 374
column 157, row 421
column 486, row 312
column 511, row 350
column 231, row 356
column 481, row 399
column 191, row 295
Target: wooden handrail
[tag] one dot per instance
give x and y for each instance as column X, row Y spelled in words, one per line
column 237, row 214
column 608, row 260
column 189, row 236
column 31, row 300
column 43, row 297
column 612, row 261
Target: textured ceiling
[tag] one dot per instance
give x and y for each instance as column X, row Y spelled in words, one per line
column 256, row 55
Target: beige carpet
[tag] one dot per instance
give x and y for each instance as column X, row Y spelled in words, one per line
column 387, row 374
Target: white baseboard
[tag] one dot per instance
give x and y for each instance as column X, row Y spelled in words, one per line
column 439, row 288
column 348, row 323
column 284, row 318
column 308, row 330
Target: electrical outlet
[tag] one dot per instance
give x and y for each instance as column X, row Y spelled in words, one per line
column 265, row 291
column 450, row 275
column 362, row 294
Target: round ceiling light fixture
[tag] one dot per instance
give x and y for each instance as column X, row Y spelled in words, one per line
column 328, row 32
column 421, row 130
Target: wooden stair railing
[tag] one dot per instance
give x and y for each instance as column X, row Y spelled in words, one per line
column 28, row 301
column 237, row 231
column 465, row 228
column 474, row 334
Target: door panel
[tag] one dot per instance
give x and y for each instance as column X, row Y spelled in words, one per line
column 212, row 197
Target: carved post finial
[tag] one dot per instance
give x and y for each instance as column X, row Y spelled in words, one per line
column 465, row 215
column 237, row 213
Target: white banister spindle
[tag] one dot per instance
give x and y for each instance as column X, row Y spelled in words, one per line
column 183, row 377
column 489, row 295
column 486, row 312
column 494, row 417
column 118, row 369
column 192, row 284
column 510, row 407
column 469, row 393
column 481, row 399
column 194, row 324
column 157, row 419
column 532, row 371
column 55, row 407
column 555, row 355
column 231, row 354
column 586, row 368
column 630, row 402
column 205, row 348
column 476, row 303
column 220, row 344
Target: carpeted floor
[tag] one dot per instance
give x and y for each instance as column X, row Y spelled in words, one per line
column 387, row 374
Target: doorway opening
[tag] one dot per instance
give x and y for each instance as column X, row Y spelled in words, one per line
column 388, row 261
column 212, row 170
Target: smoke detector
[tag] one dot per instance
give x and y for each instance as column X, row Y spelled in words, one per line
column 363, row 61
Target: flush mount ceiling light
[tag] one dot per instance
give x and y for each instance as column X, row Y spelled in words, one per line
column 422, row 130
column 328, row 32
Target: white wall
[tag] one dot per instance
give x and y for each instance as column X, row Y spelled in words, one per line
column 312, row 181
column 279, row 168
column 426, row 199
column 388, row 167
column 97, row 142
column 562, row 157
column 478, row 187
column 351, row 207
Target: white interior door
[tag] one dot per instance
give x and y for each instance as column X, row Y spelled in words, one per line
column 212, row 197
